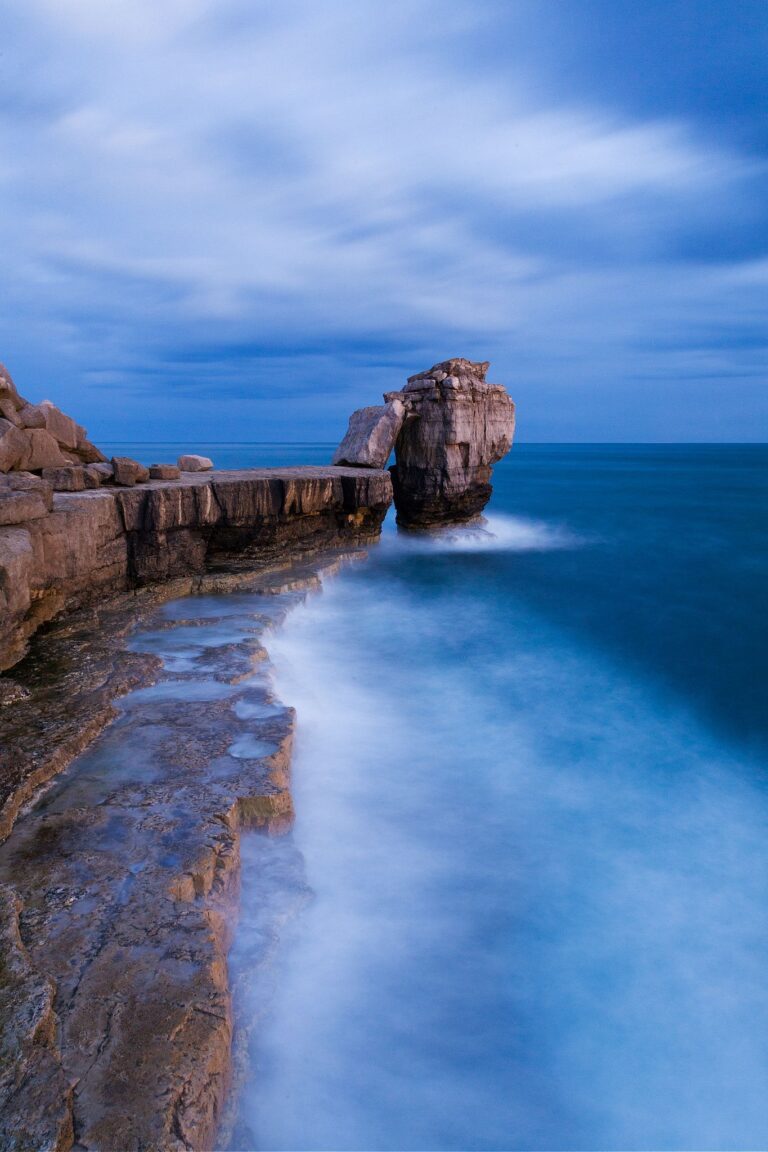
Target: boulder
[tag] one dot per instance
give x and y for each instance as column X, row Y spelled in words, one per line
column 88, row 453
column 18, row 507
column 13, row 445
column 8, row 388
column 194, row 463
column 104, row 470
column 456, row 427
column 9, row 412
column 42, row 451
column 371, row 435
column 62, row 428
column 68, row 479
column 128, row 472
column 164, row 472
column 27, row 482
column 91, row 479
column 32, row 416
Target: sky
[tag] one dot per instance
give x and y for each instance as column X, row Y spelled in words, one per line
column 231, row 220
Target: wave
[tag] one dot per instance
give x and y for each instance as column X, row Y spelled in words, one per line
column 496, row 533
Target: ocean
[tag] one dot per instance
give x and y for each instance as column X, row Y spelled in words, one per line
column 532, row 822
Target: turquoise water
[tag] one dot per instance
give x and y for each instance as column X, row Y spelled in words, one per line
column 532, row 809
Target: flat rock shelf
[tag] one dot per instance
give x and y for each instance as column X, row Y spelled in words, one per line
column 119, row 887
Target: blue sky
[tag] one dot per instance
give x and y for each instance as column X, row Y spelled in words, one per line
column 233, row 220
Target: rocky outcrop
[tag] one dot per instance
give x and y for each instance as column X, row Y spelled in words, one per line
column 371, row 435
column 457, row 427
column 105, row 541
column 448, row 427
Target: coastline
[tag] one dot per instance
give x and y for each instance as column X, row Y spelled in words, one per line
column 74, row 1037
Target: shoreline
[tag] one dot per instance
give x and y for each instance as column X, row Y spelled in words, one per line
column 194, row 1057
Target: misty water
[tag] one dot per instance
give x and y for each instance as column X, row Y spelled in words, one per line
column 532, row 815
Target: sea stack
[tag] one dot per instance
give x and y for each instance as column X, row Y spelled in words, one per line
column 448, row 427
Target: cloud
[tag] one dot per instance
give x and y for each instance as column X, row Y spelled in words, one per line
column 231, row 176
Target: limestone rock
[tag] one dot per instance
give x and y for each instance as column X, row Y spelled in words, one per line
column 456, row 427
column 13, row 445
column 32, row 416
column 128, row 472
column 27, row 482
column 371, row 435
column 18, row 507
column 88, row 453
column 105, row 470
column 62, row 428
column 68, row 479
column 9, row 412
column 42, row 451
column 164, row 472
column 194, row 463
column 8, row 388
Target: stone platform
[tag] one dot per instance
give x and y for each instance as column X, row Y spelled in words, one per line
column 106, row 541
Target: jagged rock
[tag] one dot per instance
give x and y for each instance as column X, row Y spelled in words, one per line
column 194, row 463
column 69, row 479
column 88, row 453
column 105, row 470
column 456, row 427
column 27, row 482
column 32, row 416
column 63, row 428
column 13, row 445
column 42, row 451
column 164, row 472
column 9, row 412
column 371, row 435
column 128, row 472
column 18, row 507
column 8, row 388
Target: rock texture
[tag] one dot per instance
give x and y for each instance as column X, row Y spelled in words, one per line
column 371, row 435
column 457, row 427
column 105, row 541
column 192, row 463
column 448, row 426
column 118, row 891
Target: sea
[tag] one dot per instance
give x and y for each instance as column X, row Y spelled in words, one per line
column 531, row 794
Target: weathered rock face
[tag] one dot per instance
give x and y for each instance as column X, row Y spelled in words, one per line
column 371, row 435
column 105, row 541
column 456, row 427
column 448, row 427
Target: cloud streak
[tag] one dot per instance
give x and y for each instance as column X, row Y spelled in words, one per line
column 189, row 183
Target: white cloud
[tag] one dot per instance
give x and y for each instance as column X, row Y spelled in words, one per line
column 221, row 171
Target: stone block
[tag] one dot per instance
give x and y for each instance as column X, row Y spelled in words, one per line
column 68, row 479
column 32, row 416
column 18, row 507
column 164, row 472
column 192, row 463
column 63, row 428
column 128, row 472
column 42, row 451
column 13, row 445
column 371, row 435
column 27, row 482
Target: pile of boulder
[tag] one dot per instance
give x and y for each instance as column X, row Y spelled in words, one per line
column 42, row 451
column 447, row 427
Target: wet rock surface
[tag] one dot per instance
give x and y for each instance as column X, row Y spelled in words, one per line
column 121, row 883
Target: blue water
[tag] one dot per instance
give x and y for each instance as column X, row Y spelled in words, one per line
column 532, row 808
